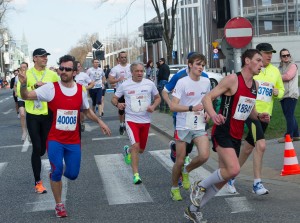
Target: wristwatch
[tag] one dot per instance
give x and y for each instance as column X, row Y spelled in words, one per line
column 191, row 108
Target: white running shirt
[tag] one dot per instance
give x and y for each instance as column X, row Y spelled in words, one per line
column 83, row 79
column 96, row 75
column 137, row 99
column 189, row 92
column 119, row 71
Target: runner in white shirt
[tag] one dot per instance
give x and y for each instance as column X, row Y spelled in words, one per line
column 190, row 121
column 83, row 79
column 118, row 75
column 138, row 93
column 98, row 76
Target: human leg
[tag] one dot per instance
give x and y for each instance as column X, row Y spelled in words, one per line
column 22, row 119
column 288, row 107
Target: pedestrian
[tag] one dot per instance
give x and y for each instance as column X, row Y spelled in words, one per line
column 21, row 102
column 12, row 84
column 138, row 108
column 169, row 87
column 83, row 79
column 238, row 92
column 107, row 71
column 162, row 78
column 270, row 88
column 289, row 75
column 190, row 121
column 117, row 76
column 150, row 70
column 38, row 117
column 65, row 98
column 97, row 75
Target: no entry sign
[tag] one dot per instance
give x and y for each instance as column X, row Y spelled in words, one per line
column 238, row 32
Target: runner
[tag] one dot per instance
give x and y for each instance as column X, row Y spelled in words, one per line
column 118, row 75
column 190, row 121
column 138, row 92
column 97, row 75
column 238, row 100
column 65, row 98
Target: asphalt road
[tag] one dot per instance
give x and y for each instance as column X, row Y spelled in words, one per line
column 104, row 191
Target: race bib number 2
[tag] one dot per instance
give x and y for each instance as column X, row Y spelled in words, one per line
column 243, row 108
column 66, row 120
column 195, row 120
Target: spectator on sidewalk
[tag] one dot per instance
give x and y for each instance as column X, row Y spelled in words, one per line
column 289, row 75
column 162, row 79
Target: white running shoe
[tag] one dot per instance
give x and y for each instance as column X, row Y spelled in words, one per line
column 259, row 189
column 197, row 193
column 230, row 186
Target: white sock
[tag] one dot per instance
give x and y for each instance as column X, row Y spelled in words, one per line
column 213, row 179
column 256, row 181
column 173, row 188
column 210, row 193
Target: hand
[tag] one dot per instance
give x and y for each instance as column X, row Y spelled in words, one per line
column 218, row 119
column 105, row 129
column 150, row 109
column 207, row 117
column 22, row 77
column 121, row 106
column 275, row 91
column 264, row 117
column 198, row 107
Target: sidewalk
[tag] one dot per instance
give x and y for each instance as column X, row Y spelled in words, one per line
column 272, row 160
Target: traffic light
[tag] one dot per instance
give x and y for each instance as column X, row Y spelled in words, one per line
column 99, row 54
column 223, row 12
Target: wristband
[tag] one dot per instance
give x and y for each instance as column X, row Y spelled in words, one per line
column 191, row 108
column 23, row 85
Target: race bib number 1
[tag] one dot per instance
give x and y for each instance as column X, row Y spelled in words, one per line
column 195, row 120
column 66, row 120
column 139, row 103
column 243, row 108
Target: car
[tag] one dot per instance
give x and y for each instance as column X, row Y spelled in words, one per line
column 214, row 78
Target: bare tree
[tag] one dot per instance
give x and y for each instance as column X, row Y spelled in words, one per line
column 168, row 24
column 5, row 5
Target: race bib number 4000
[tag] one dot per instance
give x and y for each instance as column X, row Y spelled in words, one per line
column 244, row 108
column 195, row 120
column 66, row 120
column 265, row 91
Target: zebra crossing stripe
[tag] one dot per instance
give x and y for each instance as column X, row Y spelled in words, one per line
column 2, row 167
column 46, row 201
column 239, row 204
column 163, row 156
column 117, row 181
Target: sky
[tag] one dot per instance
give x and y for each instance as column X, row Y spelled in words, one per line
column 57, row 25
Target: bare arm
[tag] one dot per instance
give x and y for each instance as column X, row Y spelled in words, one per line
column 116, row 103
column 165, row 96
column 91, row 115
column 25, row 94
column 90, row 85
column 176, row 107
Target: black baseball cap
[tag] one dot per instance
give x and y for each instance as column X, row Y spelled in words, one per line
column 40, row 52
column 265, row 47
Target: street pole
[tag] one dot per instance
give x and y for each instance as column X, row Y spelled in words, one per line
column 237, row 53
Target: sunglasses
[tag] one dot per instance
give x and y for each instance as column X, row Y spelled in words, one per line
column 286, row 55
column 61, row 68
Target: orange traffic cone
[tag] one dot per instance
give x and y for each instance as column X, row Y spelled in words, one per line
column 290, row 162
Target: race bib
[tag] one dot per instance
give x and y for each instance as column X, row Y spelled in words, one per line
column 195, row 120
column 139, row 103
column 244, row 108
column 66, row 120
column 265, row 91
column 37, row 105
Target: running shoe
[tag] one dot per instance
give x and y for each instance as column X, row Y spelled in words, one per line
column 39, row 188
column 194, row 216
column 230, row 187
column 175, row 194
column 197, row 193
column 172, row 146
column 127, row 155
column 186, row 180
column 122, row 130
column 187, row 160
column 180, row 182
column 60, row 211
column 137, row 179
column 259, row 189
column 24, row 135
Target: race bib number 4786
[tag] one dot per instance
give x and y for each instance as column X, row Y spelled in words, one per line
column 66, row 120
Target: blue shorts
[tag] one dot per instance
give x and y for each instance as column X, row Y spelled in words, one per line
column 96, row 96
column 70, row 153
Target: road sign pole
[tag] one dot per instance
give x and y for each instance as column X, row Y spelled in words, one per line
column 237, row 53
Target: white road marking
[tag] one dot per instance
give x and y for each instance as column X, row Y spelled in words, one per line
column 7, row 112
column 116, row 137
column 239, row 204
column 90, row 128
column 117, row 181
column 163, row 156
column 11, row 146
column 26, row 144
column 2, row 167
column 43, row 202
